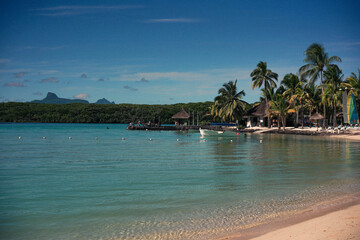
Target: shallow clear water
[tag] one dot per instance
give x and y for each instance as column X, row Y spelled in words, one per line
column 98, row 186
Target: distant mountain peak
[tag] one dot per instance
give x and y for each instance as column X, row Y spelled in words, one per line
column 52, row 98
column 104, row 101
column 51, row 95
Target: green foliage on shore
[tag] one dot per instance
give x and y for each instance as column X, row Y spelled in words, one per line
column 96, row 113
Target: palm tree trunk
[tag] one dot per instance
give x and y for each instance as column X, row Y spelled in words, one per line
column 334, row 113
column 278, row 121
column 302, row 116
column 322, row 91
column 310, row 124
column 284, row 122
column 266, row 104
column 324, row 123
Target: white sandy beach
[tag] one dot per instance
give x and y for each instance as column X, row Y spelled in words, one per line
column 337, row 221
column 349, row 134
column 339, row 225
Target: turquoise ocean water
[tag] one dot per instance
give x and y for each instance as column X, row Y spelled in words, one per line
column 98, row 186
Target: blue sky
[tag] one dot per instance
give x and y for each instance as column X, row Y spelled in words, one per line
column 163, row 52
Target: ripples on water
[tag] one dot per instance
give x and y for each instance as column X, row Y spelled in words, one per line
column 109, row 188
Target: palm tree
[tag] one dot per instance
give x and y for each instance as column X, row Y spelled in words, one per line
column 228, row 104
column 267, row 93
column 317, row 60
column 353, row 83
column 314, row 97
column 261, row 76
column 281, row 107
column 290, row 82
column 333, row 77
column 300, row 96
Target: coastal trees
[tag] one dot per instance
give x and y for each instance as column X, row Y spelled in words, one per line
column 281, row 107
column 299, row 96
column 353, row 82
column 97, row 113
column 313, row 97
column 267, row 93
column 229, row 105
column 333, row 76
column 290, row 83
column 301, row 90
column 262, row 76
column 317, row 60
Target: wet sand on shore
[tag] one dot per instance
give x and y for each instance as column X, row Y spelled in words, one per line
column 335, row 220
column 340, row 225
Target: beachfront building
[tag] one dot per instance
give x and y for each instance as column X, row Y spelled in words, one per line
column 181, row 117
column 258, row 115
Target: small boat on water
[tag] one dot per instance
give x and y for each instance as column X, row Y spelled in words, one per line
column 216, row 133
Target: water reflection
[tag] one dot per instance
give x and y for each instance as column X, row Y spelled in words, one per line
column 281, row 163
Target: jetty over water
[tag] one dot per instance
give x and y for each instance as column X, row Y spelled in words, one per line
column 163, row 128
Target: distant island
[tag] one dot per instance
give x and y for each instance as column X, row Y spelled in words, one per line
column 75, row 111
column 52, row 98
column 104, row 101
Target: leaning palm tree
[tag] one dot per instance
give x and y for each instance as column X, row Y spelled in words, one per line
column 229, row 105
column 262, row 76
column 317, row 60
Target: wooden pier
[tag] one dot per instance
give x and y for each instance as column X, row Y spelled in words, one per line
column 163, row 128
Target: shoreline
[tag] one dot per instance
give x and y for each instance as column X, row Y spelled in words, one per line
column 350, row 134
column 338, row 217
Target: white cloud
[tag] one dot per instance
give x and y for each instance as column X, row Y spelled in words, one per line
column 210, row 76
column 50, row 79
column 173, row 20
column 81, row 96
column 38, row 48
column 14, row 84
column 19, row 74
column 14, row 70
column 4, row 60
column 130, row 88
column 67, row 10
column 47, row 72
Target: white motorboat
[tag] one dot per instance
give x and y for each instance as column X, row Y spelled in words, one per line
column 216, row 133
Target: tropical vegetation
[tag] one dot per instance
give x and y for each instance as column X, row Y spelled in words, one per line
column 101, row 113
column 317, row 61
column 299, row 94
column 228, row 105
column 262, row 76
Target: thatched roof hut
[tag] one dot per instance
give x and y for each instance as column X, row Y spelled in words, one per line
column 316, row 116
column 260, row 110
column 181, row 115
